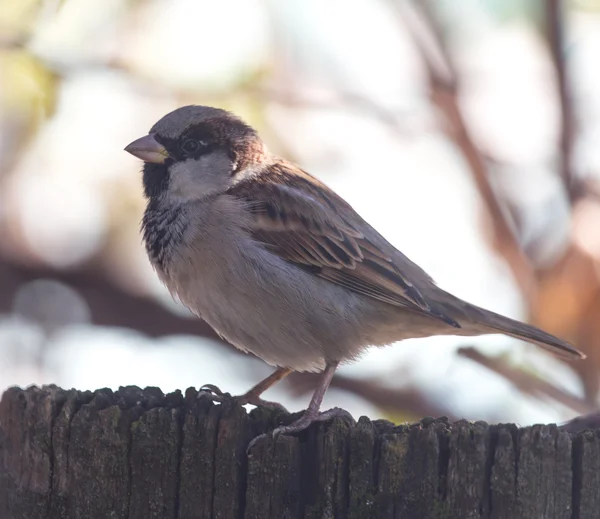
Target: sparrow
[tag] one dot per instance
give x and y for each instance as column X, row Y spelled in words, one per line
column 279, row 264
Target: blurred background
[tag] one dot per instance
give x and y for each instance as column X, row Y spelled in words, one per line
column 467, row 132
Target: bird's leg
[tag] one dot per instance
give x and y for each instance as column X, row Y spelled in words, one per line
column 252, row 396
column 312, row 414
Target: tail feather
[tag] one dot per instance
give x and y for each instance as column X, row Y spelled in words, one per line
column 497, row 323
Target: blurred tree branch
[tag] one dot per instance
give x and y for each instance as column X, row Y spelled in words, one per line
column 109, row 304
column 337, row 100
column 443, row 82
column 526, row 382
column 556, row 41
column 424, row 26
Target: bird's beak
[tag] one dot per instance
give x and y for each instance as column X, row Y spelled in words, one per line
column 148, row 149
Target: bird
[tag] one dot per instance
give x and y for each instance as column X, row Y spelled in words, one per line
column 279, row 264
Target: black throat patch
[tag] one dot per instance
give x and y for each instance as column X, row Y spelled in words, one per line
column 155, row 179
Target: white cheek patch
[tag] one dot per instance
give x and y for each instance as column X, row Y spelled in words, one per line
column 195, row 179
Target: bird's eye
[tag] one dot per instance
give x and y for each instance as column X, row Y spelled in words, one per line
column 190, row 146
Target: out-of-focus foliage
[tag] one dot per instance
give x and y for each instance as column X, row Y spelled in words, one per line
column 465, row 131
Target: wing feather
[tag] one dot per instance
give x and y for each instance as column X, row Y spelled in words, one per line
column 298, row 218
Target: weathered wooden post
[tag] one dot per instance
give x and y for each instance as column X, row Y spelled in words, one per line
column 140, row 454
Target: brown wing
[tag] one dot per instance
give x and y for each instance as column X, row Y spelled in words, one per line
column 304, row 222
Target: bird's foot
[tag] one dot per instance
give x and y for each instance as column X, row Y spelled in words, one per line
column 308, row 418
column 214, row 393
column 250, row 397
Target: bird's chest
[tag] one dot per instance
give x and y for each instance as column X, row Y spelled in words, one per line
column 163, row 231
column 194, row 251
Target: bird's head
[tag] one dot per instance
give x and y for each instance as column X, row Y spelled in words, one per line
column 196, row 151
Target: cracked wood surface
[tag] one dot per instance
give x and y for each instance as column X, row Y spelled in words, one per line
column 141, row 454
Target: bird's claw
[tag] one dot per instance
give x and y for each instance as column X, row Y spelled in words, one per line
column 211, row 388
column 336, row 412
column 254, row 441
column 213, row 392
column 303, row 423
column 216, row 395
column 309, row 418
